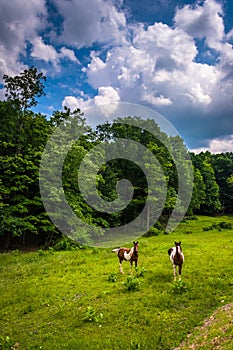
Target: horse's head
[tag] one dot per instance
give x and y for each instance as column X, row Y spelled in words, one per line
column 135, row 246
column 178, row 246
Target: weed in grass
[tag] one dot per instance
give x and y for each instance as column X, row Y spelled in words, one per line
column 91, row 315
column 132, row 284
column 140, row 272
column 179, row 287
column 112, row 277
column 41, row 252
column 6, row 343
column 134, row 345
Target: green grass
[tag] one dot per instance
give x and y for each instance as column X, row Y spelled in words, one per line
column 78, row 300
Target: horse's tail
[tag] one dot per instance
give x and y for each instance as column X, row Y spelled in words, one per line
column 115, row 250
column 170, row 251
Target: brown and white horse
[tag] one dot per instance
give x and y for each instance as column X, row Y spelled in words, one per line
column 127, row 254
column 177, row 258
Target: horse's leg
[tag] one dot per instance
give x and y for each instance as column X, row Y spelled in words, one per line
column 174, row 272
column 180, row 268
column 131, row 263
column 120, row 267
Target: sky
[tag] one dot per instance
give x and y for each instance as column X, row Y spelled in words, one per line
column 175, row 57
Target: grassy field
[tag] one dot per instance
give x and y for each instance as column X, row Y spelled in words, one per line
column 78, row 300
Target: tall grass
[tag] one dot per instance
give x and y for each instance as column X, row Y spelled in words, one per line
column 78, row 300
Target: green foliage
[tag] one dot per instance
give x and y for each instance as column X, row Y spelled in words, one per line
column 179, row 287
column 91, row 316
column 134, row 345
column 219, row 226
column 140, row 271
column 112, row 277
column 132, row 284
column 6, row 343
column 65, row 244
column 153, row 231
column 24, row 88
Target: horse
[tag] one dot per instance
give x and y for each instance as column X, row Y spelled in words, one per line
column 177, row 258
column 127, row 254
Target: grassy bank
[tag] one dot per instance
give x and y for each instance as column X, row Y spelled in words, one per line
column 78, row 300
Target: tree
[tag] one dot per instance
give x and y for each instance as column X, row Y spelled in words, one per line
column 212, row 203
column 198, row 196
column 23, row 89
column 223, row 167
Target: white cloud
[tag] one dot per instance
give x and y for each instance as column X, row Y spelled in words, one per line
column 202, row 21
column 73, row 103
column 19, row 22
column 159, row 69
column 217, row 146
column 69, row 54
column 43, row 51
column 106, row 97
column 170, row 47
column 88, row 22
column 48, row 53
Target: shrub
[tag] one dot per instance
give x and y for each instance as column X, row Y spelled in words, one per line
column 91, row 315
column 207, row 228
column 140, row 272
column 179, row 287
column 6, row 342
column 153, row 231
column 219, row 226
column 132, row 284
column 65, row 244
column 112, row 277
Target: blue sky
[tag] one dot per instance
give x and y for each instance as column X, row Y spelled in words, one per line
column 175, row 57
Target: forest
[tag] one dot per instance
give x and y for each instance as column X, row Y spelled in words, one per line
column 24, row 222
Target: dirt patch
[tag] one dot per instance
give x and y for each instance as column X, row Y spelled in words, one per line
column 215, row 333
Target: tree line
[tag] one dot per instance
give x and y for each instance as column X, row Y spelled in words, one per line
column 24, row 135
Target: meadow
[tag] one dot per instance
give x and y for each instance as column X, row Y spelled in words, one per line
column 77, row 299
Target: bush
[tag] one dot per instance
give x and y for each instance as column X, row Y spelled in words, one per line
column 219, row 226
column 207, row 228
column 112, row 277
column 65, row 244
column 153, row 231
column 140, row 272
column 132, row 284
column 179, row 287
column 91, row 315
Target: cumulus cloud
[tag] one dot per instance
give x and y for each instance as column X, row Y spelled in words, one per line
column 218, row 145
column 105, row 98
column 19, row 23
column 85, row 23
column 73, row 102
column 160, row 67
column 43, row 51
column 69, row 54
column 202, row 21
column 48, row 53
